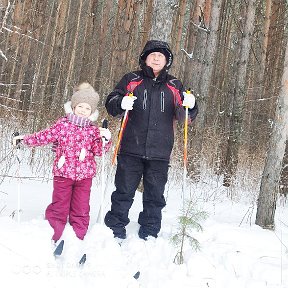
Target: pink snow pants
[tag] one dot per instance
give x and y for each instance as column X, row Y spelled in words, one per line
column 70, row 200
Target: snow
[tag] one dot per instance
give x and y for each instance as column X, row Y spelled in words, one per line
column 234, row 251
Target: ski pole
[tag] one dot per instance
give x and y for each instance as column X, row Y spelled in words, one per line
column 123, row 124
column 185, row 149
column 10, row 152
column 18, row 175
column 100, row 214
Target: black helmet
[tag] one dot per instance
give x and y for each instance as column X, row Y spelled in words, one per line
column 156, row 46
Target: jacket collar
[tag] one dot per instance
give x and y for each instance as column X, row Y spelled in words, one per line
column 148, row 72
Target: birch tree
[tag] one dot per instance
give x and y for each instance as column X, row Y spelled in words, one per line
column 270, row 179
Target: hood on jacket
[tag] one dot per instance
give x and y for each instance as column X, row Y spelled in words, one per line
column 156, row 46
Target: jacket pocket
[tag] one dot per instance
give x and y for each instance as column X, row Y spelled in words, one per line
column 61, row 162
column 82, row 154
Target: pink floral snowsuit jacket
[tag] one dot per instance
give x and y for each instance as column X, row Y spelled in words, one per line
column 72, row 139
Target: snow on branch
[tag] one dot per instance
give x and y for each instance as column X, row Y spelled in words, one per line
column 5, row 16
column 22, row 34
column 3, row 55
column 189, row 55
column 4, row 27
column 202, row 26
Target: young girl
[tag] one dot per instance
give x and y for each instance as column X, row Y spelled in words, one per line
column 78, row 142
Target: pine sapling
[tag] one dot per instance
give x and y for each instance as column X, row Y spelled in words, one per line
column 188, row 221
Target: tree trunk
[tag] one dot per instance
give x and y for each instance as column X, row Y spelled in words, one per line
column 162, row 19
column 274, row 64
column 255, row 124
column 204, row 86
column 178, row 31
column 147, row 22
column 284, row 174
column 61, row 46
column 70, row 71
column 239, row 97
column 190, row 41
column 206, row 73
column 217, row 117
column 124, row 25
column 102, row 44
column 196, row 63
column 270, row 179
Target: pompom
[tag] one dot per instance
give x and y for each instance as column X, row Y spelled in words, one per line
column 83, row 86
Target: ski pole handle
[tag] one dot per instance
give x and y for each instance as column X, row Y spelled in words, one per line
column 18, row 140
column 105, row 124
column 188, row 91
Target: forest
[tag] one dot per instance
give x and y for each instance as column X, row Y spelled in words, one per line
column 232, row 54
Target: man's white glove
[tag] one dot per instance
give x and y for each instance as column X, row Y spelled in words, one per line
column 128, row 102
column 17, row 139
column 189, row 100
column 105, row 133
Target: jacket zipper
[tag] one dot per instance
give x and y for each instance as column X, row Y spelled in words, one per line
column 162, row 101
column 145, row 100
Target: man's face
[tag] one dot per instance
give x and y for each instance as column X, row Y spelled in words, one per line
column 156, row 61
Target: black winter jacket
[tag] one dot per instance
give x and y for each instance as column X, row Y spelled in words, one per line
column 149, row 130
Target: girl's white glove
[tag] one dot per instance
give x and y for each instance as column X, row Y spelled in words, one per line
column 128, row 102
column 105, row 134
column 17, row 139
column 189, row 100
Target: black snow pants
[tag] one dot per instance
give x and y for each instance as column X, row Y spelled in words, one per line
column 129, row 171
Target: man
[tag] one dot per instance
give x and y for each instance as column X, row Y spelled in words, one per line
column 148, row 137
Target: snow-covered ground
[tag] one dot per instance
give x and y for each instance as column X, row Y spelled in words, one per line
column 235, row 253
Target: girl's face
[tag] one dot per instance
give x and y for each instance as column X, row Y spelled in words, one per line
column 156, row 61
column 83, row 110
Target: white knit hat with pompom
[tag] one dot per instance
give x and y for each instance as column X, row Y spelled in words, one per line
column 85, row 93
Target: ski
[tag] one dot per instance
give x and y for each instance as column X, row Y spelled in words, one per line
column 59, row 249
column 82, row 260
column 137, row 274
column 119, row 240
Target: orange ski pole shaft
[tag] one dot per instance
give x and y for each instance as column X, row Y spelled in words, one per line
column 120, row 135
